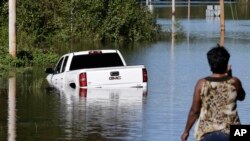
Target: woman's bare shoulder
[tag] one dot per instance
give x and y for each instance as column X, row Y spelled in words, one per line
column 236, row 80
column 200, row 82
column 237, row 83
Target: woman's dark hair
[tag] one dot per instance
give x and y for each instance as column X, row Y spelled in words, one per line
column 218, row 58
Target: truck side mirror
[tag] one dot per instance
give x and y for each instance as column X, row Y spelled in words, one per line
column 49, row 71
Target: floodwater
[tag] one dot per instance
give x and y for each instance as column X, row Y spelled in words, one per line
column 31, row 110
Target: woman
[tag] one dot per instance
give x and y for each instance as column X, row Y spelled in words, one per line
column 214, row 100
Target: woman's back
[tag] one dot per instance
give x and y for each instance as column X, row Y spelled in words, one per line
column 218, row 110
column 214, row 100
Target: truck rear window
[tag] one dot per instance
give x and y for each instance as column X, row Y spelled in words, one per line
column 95, row 61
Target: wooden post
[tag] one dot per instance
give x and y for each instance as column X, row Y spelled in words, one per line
column 189, row 9
column 222, row 38
column 222, row 23
column 12, row 28
column 173, row 6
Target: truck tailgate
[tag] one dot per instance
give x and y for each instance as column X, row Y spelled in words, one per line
column 129, row 76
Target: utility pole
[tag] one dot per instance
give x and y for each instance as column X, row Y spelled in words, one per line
column 173, row 7
column 12, row 28
column 222, row 23
column 189, row 1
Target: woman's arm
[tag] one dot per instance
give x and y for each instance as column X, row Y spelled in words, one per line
column 240, row 91
column 194, row 110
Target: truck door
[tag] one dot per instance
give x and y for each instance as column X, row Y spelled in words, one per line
column 58, row 76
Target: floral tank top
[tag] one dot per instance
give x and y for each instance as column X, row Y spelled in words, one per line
column 218, row 110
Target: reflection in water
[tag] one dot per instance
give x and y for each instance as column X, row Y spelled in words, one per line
column 102, row 113
column 172, row 75
column 173, row 34
column 12, row 109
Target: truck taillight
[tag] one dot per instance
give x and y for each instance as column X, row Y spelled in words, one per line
column 83, row 79
column 144, row 75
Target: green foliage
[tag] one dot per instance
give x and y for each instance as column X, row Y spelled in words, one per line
column 3, row 37
column 130, row 21
column 3, row 24
column 48, row 21
column 113, row 20
column 43, row 58
column 41, row 20
column 26, row 58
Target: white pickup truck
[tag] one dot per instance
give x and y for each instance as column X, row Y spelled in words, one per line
column 96, row 69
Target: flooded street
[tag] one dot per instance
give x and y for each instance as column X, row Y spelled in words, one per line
column 31, row 110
